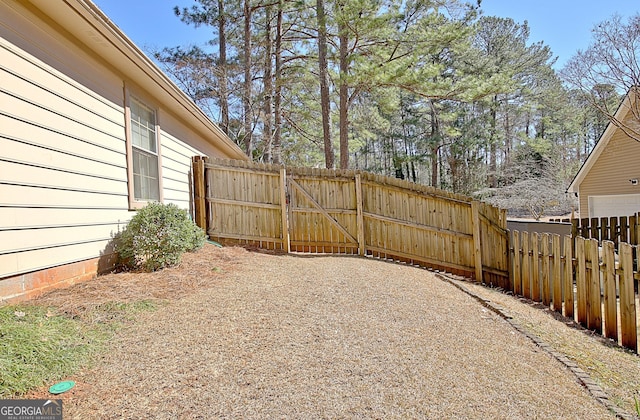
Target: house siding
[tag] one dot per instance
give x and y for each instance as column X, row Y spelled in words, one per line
column 618, row 163
column 63, row 173
column 62, row 152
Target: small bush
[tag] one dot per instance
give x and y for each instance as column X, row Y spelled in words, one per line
column 156, row 237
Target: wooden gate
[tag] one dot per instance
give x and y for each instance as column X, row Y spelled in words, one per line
column 350, row 212
column 322, row 212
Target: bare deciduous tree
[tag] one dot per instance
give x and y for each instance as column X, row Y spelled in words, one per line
column 612, row 60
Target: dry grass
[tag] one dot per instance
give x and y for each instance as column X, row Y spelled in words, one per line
column 616, row 370
column 253, row 335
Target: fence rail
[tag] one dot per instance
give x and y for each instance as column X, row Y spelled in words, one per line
column 592, row 285
column 353, row 212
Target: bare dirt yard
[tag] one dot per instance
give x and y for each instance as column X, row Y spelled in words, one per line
column 254, row 335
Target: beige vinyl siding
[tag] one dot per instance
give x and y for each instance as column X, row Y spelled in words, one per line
column 63, row 184
column 63, row 162
column 617, row 164
column 27, row 30
column 176, row 164
column 43, row 138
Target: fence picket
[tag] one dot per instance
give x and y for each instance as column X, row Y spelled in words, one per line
column 535, row 267
column 526, row 265
column 546, row 289
column 581, row 280
column 609, row 280
column 627, row 299
column 567, row 280
column 594, row 303
column 557, row 277
column 624, row 230
column 517, row 273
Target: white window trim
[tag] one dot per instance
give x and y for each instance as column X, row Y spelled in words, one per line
column 133, row 203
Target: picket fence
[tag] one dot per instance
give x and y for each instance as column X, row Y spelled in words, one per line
column 589, row 283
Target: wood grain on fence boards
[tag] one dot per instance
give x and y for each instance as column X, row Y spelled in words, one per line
column 616, row 229
column 594, row 304
column 557, row 273
column 627, row 299
column 609, row 286
column 338, row 211
column 601, row 306
column 567, row 280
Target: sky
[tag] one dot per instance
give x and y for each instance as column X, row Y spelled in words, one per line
column 564, row 25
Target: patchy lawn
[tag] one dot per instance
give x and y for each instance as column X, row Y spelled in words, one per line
column 256, row 335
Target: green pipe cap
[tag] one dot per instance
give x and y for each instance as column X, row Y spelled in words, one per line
column 61, row 387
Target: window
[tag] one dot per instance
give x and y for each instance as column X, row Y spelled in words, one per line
column 142, row 153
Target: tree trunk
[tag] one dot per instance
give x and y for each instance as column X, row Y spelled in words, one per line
column 222, row 66
column 325, row 104
column 267, row 133
column 493, row 161
column 246, row 100
column 344, row 97
column 277, row 103
column 435, row 146
column 508, row 146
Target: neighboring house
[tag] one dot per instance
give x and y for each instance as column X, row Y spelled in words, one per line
column 90, row 130
column 608, row 183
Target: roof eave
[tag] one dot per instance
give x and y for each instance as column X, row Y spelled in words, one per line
column 141, row 64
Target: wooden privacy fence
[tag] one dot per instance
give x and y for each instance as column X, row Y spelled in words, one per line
column 351, row 212
column 615, row 229
column 592, row 285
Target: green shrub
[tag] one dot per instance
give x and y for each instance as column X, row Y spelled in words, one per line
column 156, row 237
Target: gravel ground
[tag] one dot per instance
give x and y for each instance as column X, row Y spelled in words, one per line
column 253, row 335
column 285, row 336
column 615, row 370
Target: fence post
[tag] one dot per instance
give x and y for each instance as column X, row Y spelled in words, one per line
column 477, row 246
column 362, row 245
column 286, row 243
column 627, row 299
column 595, row 228
column 199, row 192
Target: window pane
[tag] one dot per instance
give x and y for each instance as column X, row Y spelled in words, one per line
column 145, row 176
column 143, row 126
